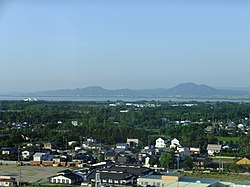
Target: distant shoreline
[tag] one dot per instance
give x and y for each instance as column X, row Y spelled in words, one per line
column 126, row 98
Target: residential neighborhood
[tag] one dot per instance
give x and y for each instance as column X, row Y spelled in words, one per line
column 120, row 164
column 140, row 147
column 124, row 93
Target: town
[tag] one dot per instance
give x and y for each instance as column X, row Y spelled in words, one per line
column 126, row 143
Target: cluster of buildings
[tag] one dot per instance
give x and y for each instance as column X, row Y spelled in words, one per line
column 136, row 105
column 91, row 152
column 119, row 165
column 110, row 174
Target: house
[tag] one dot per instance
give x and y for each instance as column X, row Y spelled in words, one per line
column 148, row 150
column 95, row 147
column 121, row 147
column 74, row 123
column 213, row 149
column 201, row 161
column 132, row 143
column 49, row 145
column 82, row 158
column 71, row 143
column 7, row 181
column 42, row 156
column 110, row 155
column 231, row 125
column 9, row 153
column 107, row 176
column 209, row 129
column 142, row 157
column 89, row 143
column 127, row 157
column 66, row 177
column 58, row 159
column 175, row 143
column 160, row 143
column 244, row 161
column 37, row 157
column 27, row 154
column 194, row 150
column 8, row 150
column 123, row 158
column 119, row 174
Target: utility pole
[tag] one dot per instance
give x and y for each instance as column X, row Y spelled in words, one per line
column 19, row 164
column 97, row 180
column 178, row 163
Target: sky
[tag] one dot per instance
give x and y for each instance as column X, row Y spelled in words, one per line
column 137, row 44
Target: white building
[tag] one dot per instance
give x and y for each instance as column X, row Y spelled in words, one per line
column 38, row 157
column 7, row 181
column 66, row 177
column 213, row 149
column 26, row 155
column 175, row 143
column 147, row 162
column 160, row 143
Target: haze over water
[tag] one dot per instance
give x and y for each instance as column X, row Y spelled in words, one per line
column 126, row 99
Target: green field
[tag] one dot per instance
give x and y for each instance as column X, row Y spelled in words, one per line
column 235, row 140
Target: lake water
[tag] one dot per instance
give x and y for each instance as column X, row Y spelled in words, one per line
column 103, row 99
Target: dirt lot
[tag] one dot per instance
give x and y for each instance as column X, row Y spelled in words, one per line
column 29, row 173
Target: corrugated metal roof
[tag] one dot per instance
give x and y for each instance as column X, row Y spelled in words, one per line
column 215, row 147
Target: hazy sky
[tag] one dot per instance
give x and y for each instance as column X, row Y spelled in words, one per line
column 52, row 44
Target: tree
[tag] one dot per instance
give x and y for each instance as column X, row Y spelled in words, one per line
column 101, row 157
column 154, row 161
column 233, row 167
column 188, row 162
column 167, row 159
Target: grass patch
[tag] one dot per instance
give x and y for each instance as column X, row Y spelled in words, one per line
column 235, row 140
column 225, row 159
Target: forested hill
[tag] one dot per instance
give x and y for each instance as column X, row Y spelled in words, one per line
column 183, row 90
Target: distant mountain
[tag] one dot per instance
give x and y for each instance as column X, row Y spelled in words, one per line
column 191, row 89
column 87, row 91
column 181, row 90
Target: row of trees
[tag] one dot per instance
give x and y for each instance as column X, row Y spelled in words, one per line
column 46, row 112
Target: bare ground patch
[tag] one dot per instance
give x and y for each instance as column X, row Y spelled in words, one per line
column 29, row 173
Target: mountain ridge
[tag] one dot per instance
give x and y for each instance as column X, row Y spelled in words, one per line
column 188, row 89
